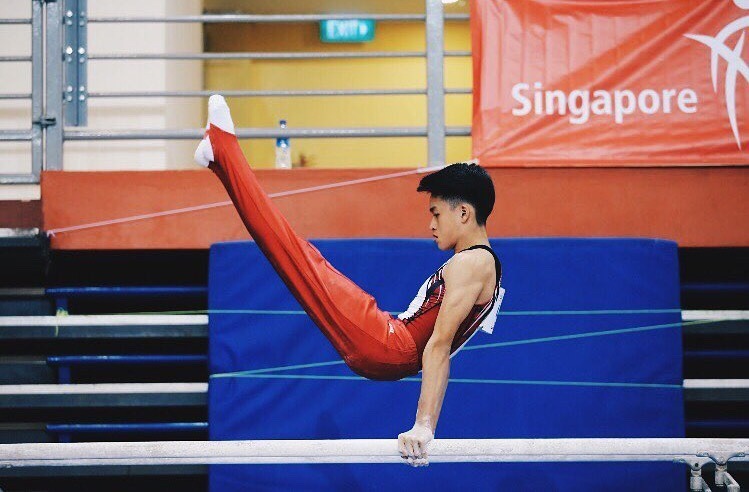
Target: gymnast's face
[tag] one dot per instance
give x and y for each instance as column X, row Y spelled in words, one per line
column 446, row 224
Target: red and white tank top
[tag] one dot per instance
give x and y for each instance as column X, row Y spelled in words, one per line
column 421, row 315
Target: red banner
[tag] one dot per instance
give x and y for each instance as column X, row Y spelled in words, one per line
column 610, row 83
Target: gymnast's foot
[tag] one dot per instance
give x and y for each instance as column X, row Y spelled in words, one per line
column 218, row 116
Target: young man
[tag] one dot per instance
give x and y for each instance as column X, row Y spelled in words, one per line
column 460, row 298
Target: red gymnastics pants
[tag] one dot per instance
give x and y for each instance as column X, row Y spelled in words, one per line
column 370, row 341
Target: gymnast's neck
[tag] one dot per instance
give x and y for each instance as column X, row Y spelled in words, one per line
column 472, row 237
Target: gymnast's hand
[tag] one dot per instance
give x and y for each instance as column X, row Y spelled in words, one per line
column 413, row 444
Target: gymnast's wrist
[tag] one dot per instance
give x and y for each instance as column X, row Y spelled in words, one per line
column 426, row 422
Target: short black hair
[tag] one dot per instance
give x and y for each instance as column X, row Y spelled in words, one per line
column 462, row 182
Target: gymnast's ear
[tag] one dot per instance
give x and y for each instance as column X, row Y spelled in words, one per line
column 465, row 212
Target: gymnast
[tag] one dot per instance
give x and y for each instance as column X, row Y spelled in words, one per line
column 459, row 299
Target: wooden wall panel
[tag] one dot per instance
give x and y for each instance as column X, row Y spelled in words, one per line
column 693, row 206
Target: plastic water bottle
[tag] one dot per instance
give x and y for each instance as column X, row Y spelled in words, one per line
column 283, row 150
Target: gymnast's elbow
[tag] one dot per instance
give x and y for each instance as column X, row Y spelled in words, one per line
column 437, row 347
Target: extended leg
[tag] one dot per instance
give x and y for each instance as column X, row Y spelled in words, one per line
column 368, row 339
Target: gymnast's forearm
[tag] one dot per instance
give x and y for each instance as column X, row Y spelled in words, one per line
column 434, row 378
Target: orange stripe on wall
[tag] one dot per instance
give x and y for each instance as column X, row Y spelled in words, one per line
column 693, row 206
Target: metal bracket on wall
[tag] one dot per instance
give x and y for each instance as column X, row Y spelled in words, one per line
column 45, row 121
column 75, row 56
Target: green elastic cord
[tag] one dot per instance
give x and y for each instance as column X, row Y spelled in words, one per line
column 262, row 373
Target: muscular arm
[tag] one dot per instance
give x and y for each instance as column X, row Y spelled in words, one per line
column 464, row 278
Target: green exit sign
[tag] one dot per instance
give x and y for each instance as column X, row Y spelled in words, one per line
column 347, row 31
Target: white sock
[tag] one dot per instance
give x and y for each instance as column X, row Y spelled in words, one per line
column 218, row 113
column 204, row 152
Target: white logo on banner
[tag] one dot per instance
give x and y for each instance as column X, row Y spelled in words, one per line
column 735, row 64
column 581, row 104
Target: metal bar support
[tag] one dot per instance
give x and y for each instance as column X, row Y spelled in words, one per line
column 76, row 56
column 53, row 120
column 724, row 479
column 435, row 83
column 37, row 88
column 696, row 482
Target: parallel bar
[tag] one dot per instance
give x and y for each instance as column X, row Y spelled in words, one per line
column 312, row 55
column 368, row 451
column 239, row 18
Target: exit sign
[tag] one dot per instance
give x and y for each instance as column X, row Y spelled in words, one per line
column 347, row 31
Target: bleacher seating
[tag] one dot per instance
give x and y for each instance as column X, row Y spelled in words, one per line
column 167, row 404
column 62, row 295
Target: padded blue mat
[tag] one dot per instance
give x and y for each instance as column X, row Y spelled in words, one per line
column 541, row 374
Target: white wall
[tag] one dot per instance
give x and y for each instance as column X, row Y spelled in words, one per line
column 107, row 76
column 15, row 40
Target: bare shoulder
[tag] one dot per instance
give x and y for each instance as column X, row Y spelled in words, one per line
column 475, row 263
